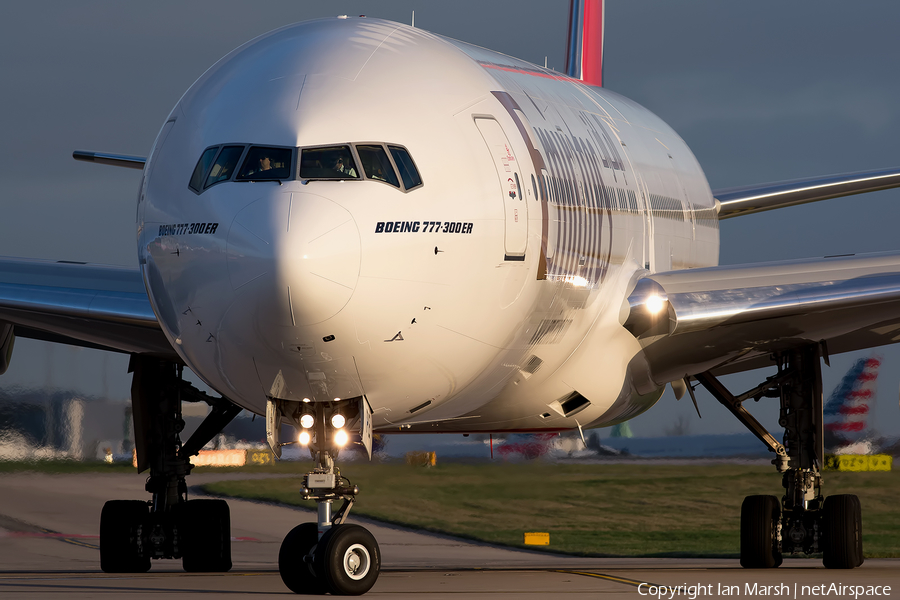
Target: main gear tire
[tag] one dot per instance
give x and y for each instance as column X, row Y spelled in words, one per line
column 842, row 535
column 121, row 528
column 205, row 531
column 760, row 516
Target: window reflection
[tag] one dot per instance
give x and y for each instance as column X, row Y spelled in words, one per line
column 408, row 171
column 265, row 164
column 202, row 166
column 340, row 162
column 377, row 165
column 334, row 162
column 225, row 164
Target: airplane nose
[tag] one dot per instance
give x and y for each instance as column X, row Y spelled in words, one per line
column 301, row 248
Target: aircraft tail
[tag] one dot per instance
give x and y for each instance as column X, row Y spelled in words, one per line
column 847, row 409
column 584, row 50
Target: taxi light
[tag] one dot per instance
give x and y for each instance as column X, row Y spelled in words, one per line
column 341, row 438
column 304, row 438
column 338, row 420
column 306, row 421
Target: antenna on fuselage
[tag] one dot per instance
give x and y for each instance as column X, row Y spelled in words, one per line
column 413, row 19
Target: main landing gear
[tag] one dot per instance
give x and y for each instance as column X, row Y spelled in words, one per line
column 169, row 526
column 329, row 555
column 804, row 520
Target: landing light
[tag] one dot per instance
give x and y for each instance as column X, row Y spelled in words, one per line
column 338, row 420
column 306, row 421
column 341, row 438
column 304, row 438
column 654, row 304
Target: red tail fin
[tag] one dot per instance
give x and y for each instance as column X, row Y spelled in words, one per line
column 584, row 55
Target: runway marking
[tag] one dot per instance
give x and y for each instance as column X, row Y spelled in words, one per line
column 49, row 534
column 77, row 539
column 68, row 538
column 631, row 582
column 97, row 575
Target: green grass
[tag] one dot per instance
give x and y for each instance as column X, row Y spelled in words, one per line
column 612, row 510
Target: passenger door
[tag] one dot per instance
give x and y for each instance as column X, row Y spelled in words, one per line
column 515, row 208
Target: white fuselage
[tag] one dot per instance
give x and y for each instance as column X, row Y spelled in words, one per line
column 485, row 299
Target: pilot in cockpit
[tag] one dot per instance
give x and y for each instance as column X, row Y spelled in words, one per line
column 340, row 167
column 265, row 163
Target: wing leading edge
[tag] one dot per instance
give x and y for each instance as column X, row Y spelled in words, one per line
column 736, row 202
column 730, row 319
column 96, row 306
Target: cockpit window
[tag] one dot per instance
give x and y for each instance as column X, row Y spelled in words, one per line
column 225, row 164
column 202, row 167
column 407, row 167
column 333, row 162
column 266, row 163
column 377, row 165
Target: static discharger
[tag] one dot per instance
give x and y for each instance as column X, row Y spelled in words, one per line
column 537, row 538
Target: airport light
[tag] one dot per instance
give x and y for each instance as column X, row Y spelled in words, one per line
column 338, row 420
column 304, row 438
column 341, row 438
column 307, row 421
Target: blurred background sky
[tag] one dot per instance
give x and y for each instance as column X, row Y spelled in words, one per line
column 761, row 92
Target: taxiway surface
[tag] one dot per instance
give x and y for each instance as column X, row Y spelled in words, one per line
column 49, row 549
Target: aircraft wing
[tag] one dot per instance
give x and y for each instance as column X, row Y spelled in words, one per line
column 736, row 202
column 96, row 306
column 730, row 319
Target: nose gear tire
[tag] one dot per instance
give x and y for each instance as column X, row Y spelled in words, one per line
column 350, row 560
column 295, row 560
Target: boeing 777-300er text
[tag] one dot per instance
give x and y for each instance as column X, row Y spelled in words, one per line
column 483, row 245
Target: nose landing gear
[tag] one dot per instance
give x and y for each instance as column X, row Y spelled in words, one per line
column 329, row 555
column 804, row 521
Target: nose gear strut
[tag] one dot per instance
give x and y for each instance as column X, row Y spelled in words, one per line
column 329, row 555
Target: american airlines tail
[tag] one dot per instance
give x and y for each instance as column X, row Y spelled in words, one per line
column 847, row 410
column 584, row 49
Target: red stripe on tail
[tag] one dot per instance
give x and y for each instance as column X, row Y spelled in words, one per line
column 592, row 43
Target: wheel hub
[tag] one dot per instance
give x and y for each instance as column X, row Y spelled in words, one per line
column 356, row 561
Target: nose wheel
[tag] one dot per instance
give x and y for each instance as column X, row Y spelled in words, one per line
column 345, row 562
column 296, row 560
column 349, row 560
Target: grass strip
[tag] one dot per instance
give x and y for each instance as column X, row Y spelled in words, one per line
column 588, row 509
